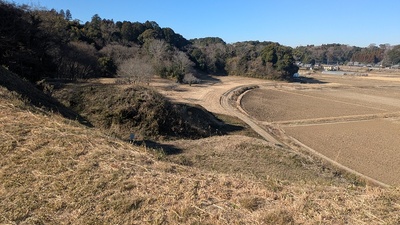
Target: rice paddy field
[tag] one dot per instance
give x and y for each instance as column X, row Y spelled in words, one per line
column 354, row 121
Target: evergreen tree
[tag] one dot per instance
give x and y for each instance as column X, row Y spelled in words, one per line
column 68, row 15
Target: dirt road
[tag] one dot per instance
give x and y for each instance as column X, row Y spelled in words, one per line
column 214, row 95
column 207, row 94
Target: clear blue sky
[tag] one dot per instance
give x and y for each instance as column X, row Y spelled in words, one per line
column 289, row 22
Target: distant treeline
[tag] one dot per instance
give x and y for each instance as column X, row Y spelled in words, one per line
column 38, row 43
column 384, row 54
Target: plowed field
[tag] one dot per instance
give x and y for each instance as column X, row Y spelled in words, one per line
column 354, row 121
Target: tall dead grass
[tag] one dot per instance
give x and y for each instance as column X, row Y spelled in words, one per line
column 56, row 171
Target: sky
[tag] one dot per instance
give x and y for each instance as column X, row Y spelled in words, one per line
column 289, row 22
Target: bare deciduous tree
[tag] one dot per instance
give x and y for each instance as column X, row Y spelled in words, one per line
column 77, row 60
column 183, row 62
column 120, row 53
column 158, row 49
column 183, row 65
column 136, row 70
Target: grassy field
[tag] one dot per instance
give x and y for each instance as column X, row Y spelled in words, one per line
column 57, row 171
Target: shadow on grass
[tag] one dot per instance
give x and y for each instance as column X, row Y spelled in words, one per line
column 229, row 128
column 306, row 80
column 207, row 78
column 173, row 150
column 38, row 98
column 167, row 149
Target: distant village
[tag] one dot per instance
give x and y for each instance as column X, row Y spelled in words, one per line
column 336, row 66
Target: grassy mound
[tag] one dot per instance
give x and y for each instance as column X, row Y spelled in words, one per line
column 139, row 110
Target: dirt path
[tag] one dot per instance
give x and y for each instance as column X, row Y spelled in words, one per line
column 238, row 112
column 207, row 94
column 215, row 97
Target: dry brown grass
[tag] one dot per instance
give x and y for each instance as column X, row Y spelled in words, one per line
column 256, row 159
column 56, row 171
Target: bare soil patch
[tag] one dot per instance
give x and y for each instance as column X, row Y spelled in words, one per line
column 281, row 105
column 370, row 147
column 354, row 122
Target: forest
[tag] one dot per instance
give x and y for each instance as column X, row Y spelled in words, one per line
column 38, row 43
column 383, row 55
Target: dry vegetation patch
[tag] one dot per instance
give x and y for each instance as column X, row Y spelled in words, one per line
column 256, row 159
column 57, row 171
column 36, row 97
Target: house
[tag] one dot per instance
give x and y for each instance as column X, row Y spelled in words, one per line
column 395, row 66
column 331, row 68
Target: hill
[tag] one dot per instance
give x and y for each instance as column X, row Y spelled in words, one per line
column 54, row 170
column 123, row 109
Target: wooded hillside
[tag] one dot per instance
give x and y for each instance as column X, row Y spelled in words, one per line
column 39, row 43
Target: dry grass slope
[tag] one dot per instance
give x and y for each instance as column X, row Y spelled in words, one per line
column 259, row 160
column 36, row 97
column 56, row 171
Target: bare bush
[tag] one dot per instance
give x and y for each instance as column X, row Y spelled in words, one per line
column 120, row 53
column 77, row 60
column 182, row 65
column 190, row 79
column 136, row 70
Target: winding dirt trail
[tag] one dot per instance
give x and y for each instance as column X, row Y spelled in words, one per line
column 207, row 94
column 215, row 96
